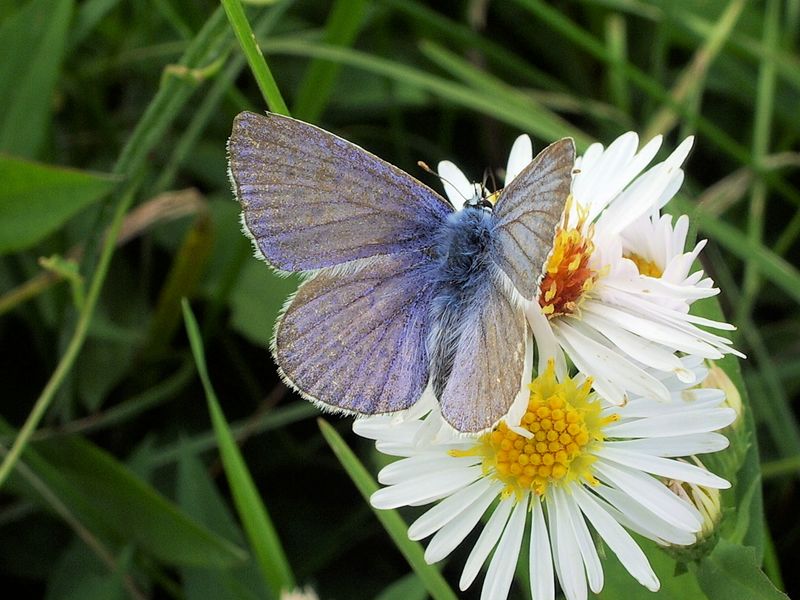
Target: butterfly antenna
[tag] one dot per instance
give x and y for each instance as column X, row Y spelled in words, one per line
column 422, row 165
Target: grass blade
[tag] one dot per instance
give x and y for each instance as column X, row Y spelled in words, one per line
column 765, row 102
column 390, row 519
column 458, row 94
column 258, row 66
column 549, row 124
column 690, row 83
column 257, row 523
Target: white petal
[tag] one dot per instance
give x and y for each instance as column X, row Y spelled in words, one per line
column 681, row 152
column 447, row 510
column 649, row 192
column 597, row 360
column 640, row 519
column 501, row 568
column 603, row 176
column 410, row 468
column 646, row 351
column 456, row 185
column 566, row 555
column 425, row 488
column 652, row 494
column 486, row 541
column 663, row 467
column 620, row 542
column 541, row 560
column 673, row 446
column 689, row 421
column 381, row 428
column 546, row 342
column 677, row 338
column 591, row 561
column 521, row 154
column 452, row 534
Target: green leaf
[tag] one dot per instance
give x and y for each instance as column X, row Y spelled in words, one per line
column 731, row 571
column 390, row 519
column 37, row 199
column 115, row 504
column 32, row 43
column 257, row 523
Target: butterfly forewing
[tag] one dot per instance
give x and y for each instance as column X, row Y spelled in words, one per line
column 356, row 341
column 527, row 213
column 313, row 200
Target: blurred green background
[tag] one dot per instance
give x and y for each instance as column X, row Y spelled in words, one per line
column 114, row 118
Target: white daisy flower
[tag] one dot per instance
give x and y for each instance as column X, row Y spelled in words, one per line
column 575, row 463
column 618, row 286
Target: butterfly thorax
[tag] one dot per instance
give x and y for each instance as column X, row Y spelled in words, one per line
column 463, row 247
column 463, row 269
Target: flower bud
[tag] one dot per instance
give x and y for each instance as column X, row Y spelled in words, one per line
column 707, row 502
column 718, row 378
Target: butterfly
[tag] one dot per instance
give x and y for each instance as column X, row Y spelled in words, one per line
column 403, row 293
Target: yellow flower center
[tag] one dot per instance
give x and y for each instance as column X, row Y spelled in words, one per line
column 568, row 276
column 646, row 267
column 552, row 444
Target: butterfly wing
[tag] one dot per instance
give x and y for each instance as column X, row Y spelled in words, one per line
column 356, row 340
column 312, row 200
column 489, row 361
column 527, row 213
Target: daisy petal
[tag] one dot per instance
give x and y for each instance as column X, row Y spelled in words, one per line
column 408, row 468
column 566, row 554
column 447, row 510
column 663, row 467
column 696, row 421
column 487, row 540
column 591, row 561
column 621, row 543
column 424, row 488
column 452, row 534
column 501, row 568
column 636, row 517
column 673, row 446
column 541, row 560
column 651, row 493
column 521, row 154
column 457, row 187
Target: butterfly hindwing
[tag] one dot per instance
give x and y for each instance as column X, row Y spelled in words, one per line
column 356, row 341
column 312, row 200
column 489, row 360
column 527, row 213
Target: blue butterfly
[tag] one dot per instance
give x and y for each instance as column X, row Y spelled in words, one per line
column 403, row 291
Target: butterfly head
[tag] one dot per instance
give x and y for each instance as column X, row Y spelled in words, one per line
column 481, row 201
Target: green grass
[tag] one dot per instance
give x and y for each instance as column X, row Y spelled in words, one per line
column 124, row 474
